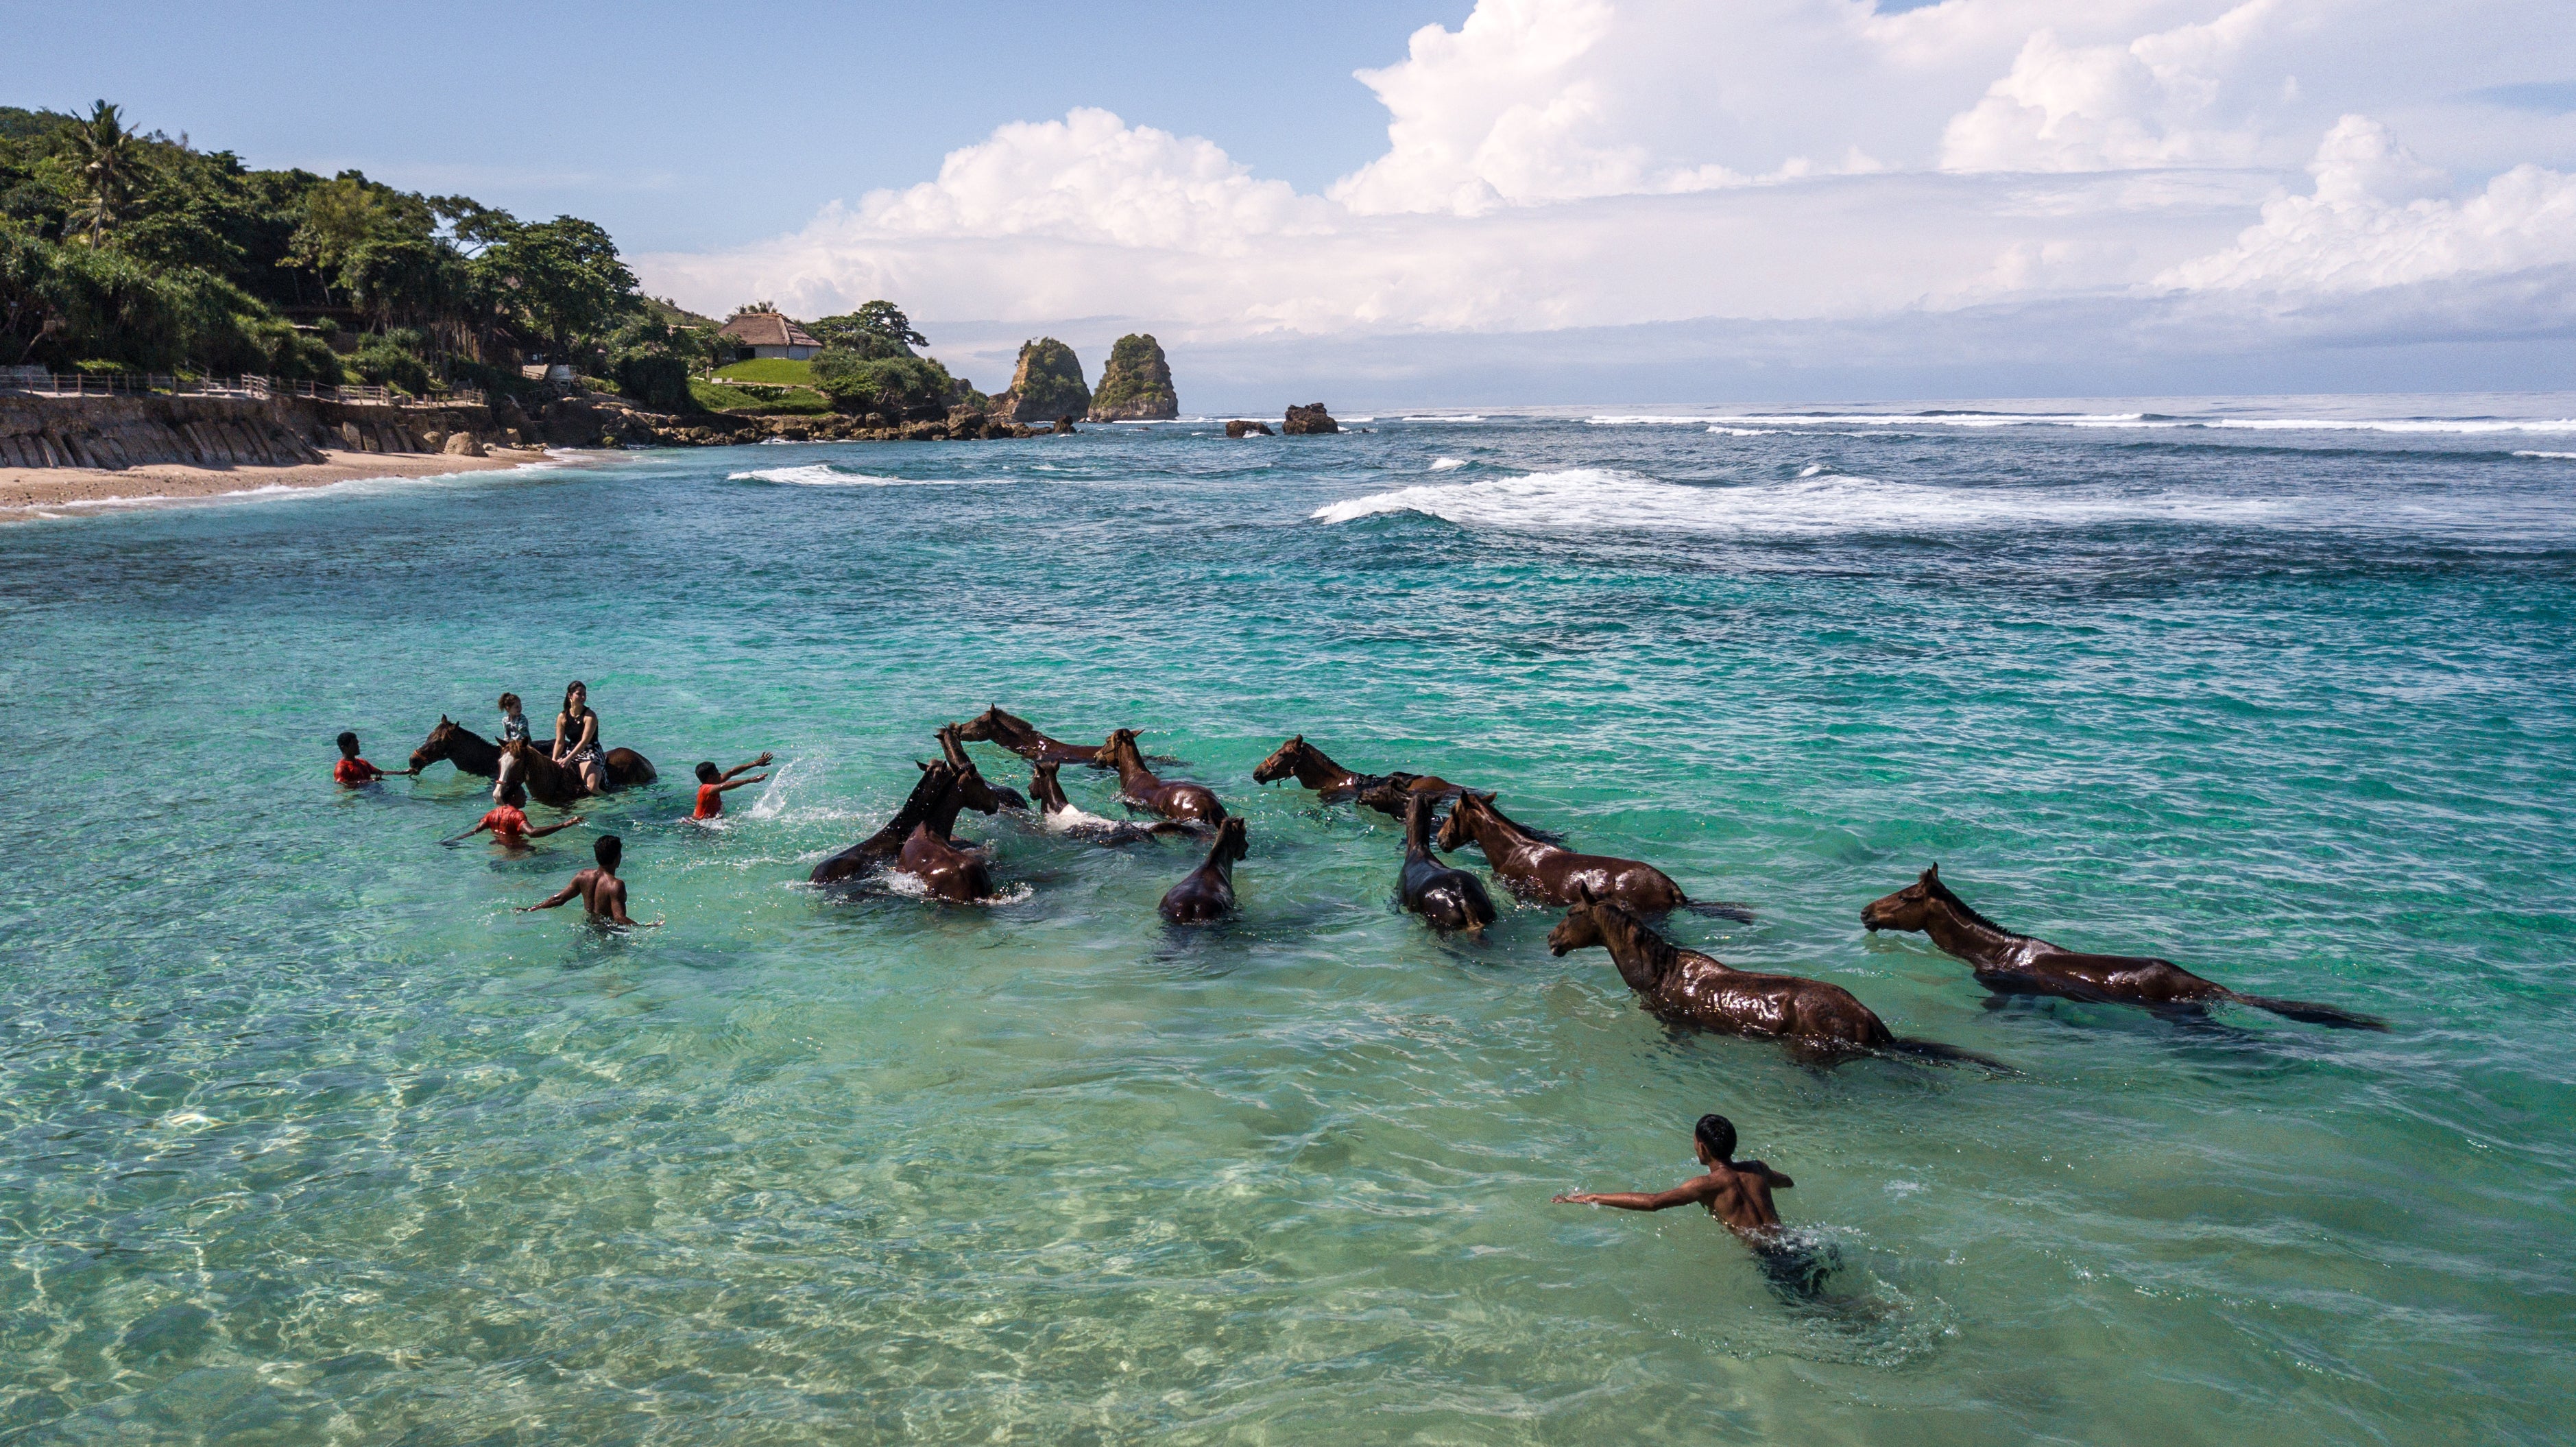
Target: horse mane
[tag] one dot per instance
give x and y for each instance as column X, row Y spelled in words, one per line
column 1660, row 952
column 1968, row 911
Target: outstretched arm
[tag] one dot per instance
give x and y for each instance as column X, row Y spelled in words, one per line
column 746, row 768
column 732, row 783
column 1681, row 1195
column 554, row 828
column 552, row 900
column 468, row 834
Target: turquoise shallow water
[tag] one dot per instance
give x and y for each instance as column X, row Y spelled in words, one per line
column 310, row 1139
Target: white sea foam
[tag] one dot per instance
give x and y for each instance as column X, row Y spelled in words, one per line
column 2553, row 456
column 1447, row 464
column 913, row 886
column 1426, row 417
column 824, row 474
column 1744, row 431
column 2465, row 426
column 1070, row 818
column 1814, row 469
column 1582, row 499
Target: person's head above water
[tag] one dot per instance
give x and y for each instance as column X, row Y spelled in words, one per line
column 576, row 693
column 608, row 851
column 1715, row 1137
column 510, row 703
column 348, row 745
column 514, row 796
column 708, row 773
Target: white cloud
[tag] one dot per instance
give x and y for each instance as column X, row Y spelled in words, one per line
column 1605, row 163
column 2380, row 217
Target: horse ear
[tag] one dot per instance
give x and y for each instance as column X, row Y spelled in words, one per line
column 1584, row 892
column 1933, row 874
column 1301, row 738
column 918, row 764
column 442, row 718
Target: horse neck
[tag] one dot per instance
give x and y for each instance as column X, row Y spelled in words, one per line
column 1131, row 767
column 464, row 746
column 1316, row 771
column 1644, row 957
column 1417, row 830
column 1049, row 793
column 1496, row 835
column 1959, row 935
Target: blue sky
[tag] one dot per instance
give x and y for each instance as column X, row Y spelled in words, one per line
column 1488, row 201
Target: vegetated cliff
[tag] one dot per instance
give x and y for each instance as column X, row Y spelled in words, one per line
column 1047, row 385
column 1136, row 385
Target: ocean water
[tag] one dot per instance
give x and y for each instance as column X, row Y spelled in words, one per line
column 310, row 1138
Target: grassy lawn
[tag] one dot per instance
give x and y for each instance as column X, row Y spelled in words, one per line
column 776, row 371
column 716, row 397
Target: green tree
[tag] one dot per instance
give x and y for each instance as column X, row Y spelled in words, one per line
column 879, row 329
column 561, row 279
column 898, row 386
column 109, row 158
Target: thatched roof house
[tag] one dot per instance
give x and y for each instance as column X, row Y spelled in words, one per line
column 768, row 334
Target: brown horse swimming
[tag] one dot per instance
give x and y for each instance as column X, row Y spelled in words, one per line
column 1189, row 803
column 1208, row 892
column 1334, row 782
column 1062, row 818
column 946, row 870
column 1537, row 870
column 469, row 751
column 2017, row 964
column 969, row 777
column 1449, row 898
column 548, row 782
column 1022, row 738
column 936, row 798
column 1820, row 1023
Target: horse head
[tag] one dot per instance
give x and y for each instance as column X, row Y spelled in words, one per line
column 1455, row 831
column 1389, row 795
column 1120, row 750
column 1908, row 908
column 984, row 727
column 435, row 747
column 1231, row 842
column 1581, row 927
column 1282, row 762
column 1044, row 788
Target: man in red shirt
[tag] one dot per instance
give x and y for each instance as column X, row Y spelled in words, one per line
column 508, row 821
column 353, row 771
column 712, row 785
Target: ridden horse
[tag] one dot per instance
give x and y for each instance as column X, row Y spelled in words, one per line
column 1449, row 898
column 1821, row 1024
column 936, row 798
column 548, row 782
column 1537, row 870
column 469, row 751
column 1020, row 737
column 971, row 778
column 1062, row 818
column 1194, row 804
column 1208, row 891
column 947, row 871
column 2018, row 964
column 1334, row 782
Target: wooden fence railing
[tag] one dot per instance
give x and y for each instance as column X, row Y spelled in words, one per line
column 136, row 384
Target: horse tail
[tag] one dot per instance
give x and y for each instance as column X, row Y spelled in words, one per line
column 1720, row 909
column 1940, row 1054
column 2330, row 1015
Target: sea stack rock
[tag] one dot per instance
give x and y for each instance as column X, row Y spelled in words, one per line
column 1136, row 386
column 1245, row 427
column 1048, row 383
column 1307, row 420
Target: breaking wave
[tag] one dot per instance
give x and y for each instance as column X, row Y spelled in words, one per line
column 1447, row 464
column 1826, row 503
column 824, row 474
column 1741, row 424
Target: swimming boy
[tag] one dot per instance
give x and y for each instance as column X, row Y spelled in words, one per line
column 712, row 785
column 603, row 894
column 508, row 821
column 1737, row 1193
column 353, row 771
column 514, row 723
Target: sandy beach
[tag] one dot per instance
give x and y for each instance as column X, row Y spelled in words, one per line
column 24, row 489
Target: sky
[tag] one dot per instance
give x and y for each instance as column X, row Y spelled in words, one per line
column 1488, row 202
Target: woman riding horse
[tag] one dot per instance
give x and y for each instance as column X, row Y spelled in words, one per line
column 576, row 743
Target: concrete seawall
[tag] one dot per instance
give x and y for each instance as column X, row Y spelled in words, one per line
column 121, row 432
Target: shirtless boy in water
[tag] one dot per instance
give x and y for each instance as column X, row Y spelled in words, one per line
column 603, row 894
column 1735, row 1192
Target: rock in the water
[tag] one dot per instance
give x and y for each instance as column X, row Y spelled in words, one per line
column 1244, row 427
column 1048, row 383
column 1136, row 385
column 1064, row 426
column 1311, row 418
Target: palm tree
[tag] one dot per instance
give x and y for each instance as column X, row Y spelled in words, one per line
column 109, row 155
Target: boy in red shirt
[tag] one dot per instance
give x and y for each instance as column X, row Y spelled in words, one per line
column 353, row 771
column 712, row 785
column 508, row 821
